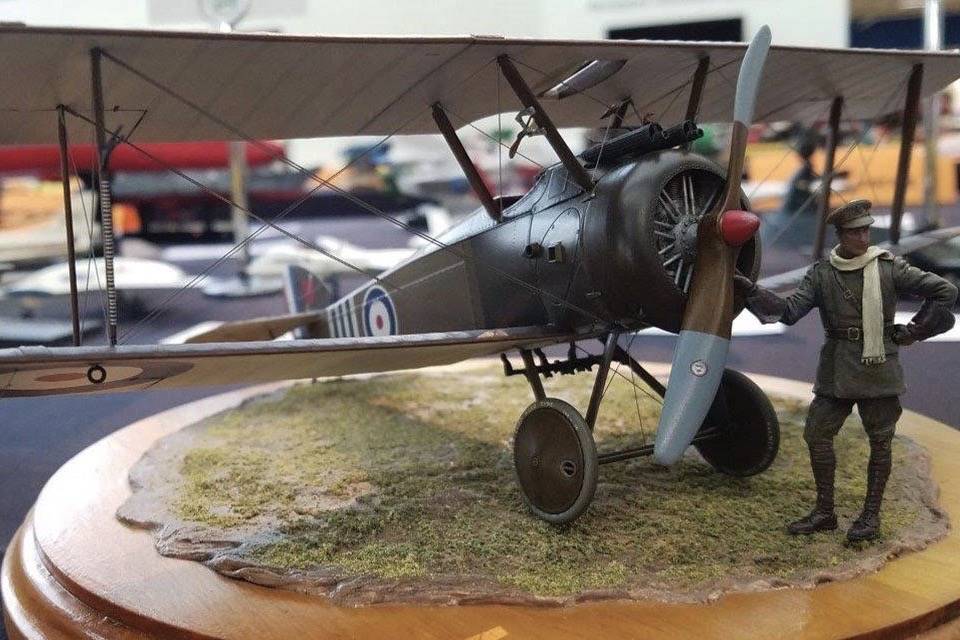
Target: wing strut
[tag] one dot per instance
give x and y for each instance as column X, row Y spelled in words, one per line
column 68, row 213
column 103, row 187
column 833, row 127
column 529, row 101
column 910, row 110
column 619, row 113
column 696, row 89
column 463, row 159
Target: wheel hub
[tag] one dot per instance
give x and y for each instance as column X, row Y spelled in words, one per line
column 548, row 459
column 555, row 460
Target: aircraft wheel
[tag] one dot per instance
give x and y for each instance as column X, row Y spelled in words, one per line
column 749, row 437
column 556, row 460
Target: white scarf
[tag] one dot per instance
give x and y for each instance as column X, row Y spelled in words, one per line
column 873, row 351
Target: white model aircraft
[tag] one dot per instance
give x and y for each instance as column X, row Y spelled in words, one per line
column 271, row 262
column 131, row 275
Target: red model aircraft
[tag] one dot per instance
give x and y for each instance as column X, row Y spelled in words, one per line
column 43, row 160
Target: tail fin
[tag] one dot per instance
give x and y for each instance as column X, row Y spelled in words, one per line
column 306, row 292
column 307, row 298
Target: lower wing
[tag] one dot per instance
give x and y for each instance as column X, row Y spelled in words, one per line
column 37, row 371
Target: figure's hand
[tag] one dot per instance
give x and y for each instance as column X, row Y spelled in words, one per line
column 743, row 284
column 932, row 319
column 902, row 335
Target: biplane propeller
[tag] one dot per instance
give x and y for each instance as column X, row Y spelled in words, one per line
column 634, row 232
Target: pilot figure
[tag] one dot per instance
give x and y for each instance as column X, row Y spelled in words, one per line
column 856, row 291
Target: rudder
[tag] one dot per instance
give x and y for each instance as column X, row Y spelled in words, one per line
column 305, row 292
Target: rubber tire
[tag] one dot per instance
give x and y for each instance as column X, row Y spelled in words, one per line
column 588, row 451
column 750, row 442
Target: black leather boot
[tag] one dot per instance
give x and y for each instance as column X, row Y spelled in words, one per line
column 822, row 518
column 867, row 525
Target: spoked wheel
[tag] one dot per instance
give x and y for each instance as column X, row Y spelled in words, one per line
column 556, row 460
column 747, row 429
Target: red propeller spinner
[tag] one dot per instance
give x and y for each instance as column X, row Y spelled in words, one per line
column 737, row 227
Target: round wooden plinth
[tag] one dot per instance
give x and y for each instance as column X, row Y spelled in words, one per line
column 73, row 570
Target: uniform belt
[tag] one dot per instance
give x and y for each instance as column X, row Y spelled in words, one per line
column 854, row 334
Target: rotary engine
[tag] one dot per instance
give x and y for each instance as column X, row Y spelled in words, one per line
column 641, row 254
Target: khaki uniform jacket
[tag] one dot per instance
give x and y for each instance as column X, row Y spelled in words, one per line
column 840, row 373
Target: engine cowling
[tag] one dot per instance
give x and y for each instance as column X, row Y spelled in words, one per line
column 640, row 254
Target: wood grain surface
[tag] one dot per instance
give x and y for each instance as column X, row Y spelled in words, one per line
column 74, row 570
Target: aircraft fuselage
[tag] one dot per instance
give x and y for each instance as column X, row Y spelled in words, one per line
column 559, row 256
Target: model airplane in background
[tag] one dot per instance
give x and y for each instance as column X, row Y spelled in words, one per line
column 635, row 232
column 271, row 263
column 33, row 229
column 131, row 275
column 36, row 238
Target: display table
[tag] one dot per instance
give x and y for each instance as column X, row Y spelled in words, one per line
column 74, row 570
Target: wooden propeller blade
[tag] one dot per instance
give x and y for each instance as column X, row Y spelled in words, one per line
column 701, row 352
column 710, row 304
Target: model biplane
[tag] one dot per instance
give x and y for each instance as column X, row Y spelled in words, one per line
column 40, row 239
column 634, row 232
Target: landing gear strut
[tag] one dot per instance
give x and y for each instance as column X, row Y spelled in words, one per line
column 554, row 453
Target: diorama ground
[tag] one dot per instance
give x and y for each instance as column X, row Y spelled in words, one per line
column 401, row 488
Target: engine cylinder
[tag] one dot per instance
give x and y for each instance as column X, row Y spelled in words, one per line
column 641, row 255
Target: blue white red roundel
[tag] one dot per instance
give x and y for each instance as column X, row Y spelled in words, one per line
column 379, row 314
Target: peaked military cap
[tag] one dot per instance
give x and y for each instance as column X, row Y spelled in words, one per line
column 855, row 213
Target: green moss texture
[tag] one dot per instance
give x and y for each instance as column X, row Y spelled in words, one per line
column 410, row 477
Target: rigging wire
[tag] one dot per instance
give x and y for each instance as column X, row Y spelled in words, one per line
column 867, row 161
column 163, row 306
column 320, row 183
column 261, row 219
column 636, row 398
column 786, row 154
column 200, row 277
column 642, row 390
column 499, row 137
column 91, row 257
column 159, row 310
column 346, row 194
column 503, row 145
column 818, row 191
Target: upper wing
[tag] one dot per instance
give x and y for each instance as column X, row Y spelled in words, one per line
column 35, row 371
column 280, row 86
column 791, row 279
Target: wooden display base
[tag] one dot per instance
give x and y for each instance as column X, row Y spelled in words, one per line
column 74, row 570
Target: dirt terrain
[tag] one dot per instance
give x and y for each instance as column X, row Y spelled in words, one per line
column 401, row 488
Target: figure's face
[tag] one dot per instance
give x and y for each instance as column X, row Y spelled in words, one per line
column 854, row 242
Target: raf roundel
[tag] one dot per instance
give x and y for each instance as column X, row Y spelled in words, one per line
column 379, row 314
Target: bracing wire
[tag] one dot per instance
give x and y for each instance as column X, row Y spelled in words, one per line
column 91, row 257
column 325, row 182
column 866, row 161
column 786, row 154
column 499, row 137
column 850, row 149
